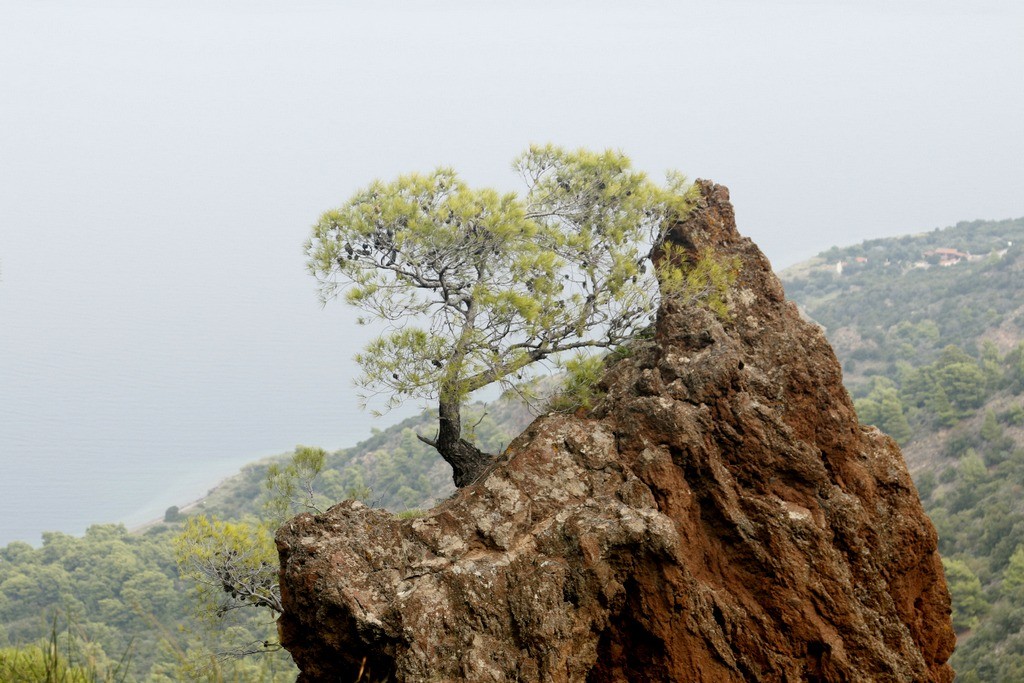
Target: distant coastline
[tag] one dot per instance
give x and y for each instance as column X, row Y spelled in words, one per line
column 191, row 506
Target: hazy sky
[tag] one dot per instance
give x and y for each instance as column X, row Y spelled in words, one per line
column 161, row 163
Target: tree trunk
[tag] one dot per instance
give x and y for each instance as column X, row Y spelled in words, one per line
column 467, row 461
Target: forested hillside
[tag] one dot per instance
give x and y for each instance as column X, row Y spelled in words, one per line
column 930, row 330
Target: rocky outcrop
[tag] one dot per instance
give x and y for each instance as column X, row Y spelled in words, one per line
column 720, row 516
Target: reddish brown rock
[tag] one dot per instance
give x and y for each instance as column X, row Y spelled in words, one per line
column 720, row 516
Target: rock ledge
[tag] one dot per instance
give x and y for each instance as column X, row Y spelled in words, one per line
column 720, row 516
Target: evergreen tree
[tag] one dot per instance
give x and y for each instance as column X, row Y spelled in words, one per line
column 479, row 286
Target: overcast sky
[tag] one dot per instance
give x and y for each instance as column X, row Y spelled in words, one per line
column 161, row 163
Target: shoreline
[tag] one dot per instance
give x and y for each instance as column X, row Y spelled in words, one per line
column 182, row 509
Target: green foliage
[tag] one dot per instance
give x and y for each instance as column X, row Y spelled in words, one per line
column 115, row 593
column 1014, row 416
column 475, row 286
column 61, row 658
column 969, row 603
column 882, row 407
column 990, row 429
column 579, row 384
column 291, row 486
column 233, row 564
column 704, row 280
column 42, row 664
column 1013, row 577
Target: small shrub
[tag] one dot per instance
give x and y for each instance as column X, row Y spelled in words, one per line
column 705, row 280
column 579, row 388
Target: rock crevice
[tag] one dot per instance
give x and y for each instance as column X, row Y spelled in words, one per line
column 721, row 515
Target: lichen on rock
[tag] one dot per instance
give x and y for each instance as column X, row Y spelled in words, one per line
column 719, row 515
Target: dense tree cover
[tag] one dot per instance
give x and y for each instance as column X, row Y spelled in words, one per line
column 935, row 357
column 117, row 597
column 61, row 659
column 477, row 287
